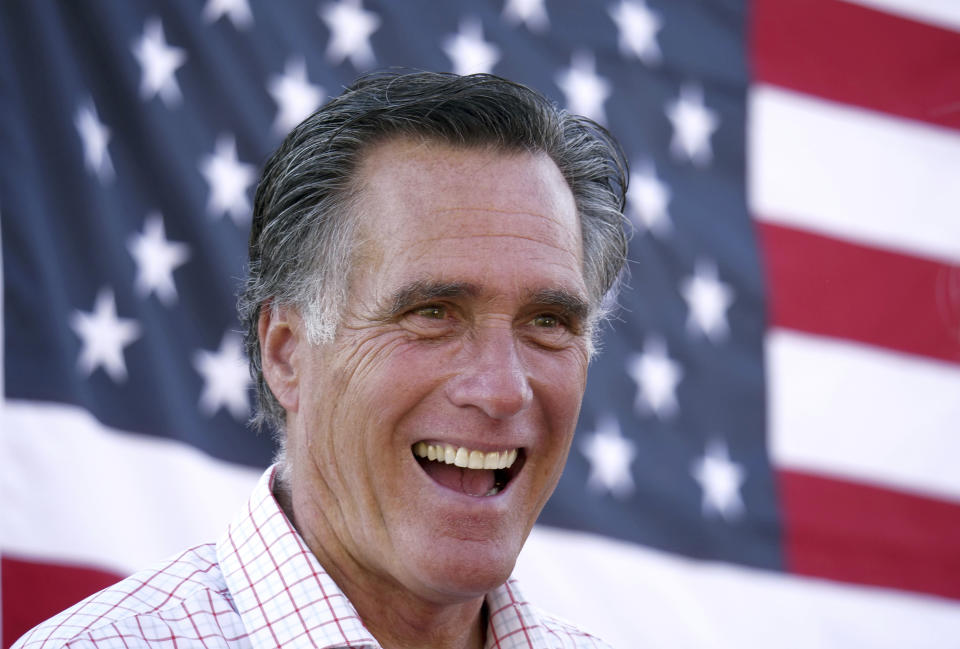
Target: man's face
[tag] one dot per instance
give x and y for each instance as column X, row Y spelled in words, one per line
column 463, row 335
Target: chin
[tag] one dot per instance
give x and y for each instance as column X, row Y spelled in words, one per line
column 461, row 570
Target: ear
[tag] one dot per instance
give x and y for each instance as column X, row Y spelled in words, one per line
column 280, row 330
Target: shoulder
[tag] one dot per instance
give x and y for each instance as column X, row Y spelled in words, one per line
column 184, row 598
column 564, row 634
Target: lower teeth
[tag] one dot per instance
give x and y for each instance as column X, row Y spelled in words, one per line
column 498, row 485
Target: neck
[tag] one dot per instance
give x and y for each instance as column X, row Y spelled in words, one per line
column 398, row 621
column 395, row 616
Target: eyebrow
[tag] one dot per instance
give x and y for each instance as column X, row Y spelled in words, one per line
column 422, row 291
column 569, row 304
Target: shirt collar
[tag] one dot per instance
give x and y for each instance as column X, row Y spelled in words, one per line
column 286, row 599
column 513, row 622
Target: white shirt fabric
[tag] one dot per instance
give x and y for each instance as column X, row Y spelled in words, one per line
column 260, row 587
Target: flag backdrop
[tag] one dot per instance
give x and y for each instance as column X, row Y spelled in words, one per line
column 769, row 448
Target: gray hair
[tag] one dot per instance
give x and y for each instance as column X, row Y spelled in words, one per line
column 303, row 234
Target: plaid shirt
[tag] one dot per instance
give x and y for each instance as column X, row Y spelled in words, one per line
column 260, row 587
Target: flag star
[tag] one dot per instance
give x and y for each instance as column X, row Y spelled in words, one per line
column 156, row 260
column 226, row 378
column 296, row 97
column 237, row 10
column 610, row 455
column 656, row 376
column 103, row 336
column 468, row 51
column 531, row 13
column 708, row 300
column 229, row 180
column 350, row 30
column 638, row 26
column 693, row 124
column 95, row 137
column 721, row 479
column 158, row 63
column 648, row 198
column 583, row 88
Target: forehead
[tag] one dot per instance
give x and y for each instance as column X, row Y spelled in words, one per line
column 425, row 201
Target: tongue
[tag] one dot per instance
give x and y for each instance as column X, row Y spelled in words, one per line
column 475, row 482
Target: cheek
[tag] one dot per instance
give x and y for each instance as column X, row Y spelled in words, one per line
column 560, row 396
column 392, row 381
column 560, row 380
column 363, row 366
column 333, row 401
column 370, row 386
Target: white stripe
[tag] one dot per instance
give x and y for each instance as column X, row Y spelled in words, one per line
column 941, row 13
column 3, row 394
column 76, row 491
column 863, row 413
column 854, row 174
column 638, row 597
column 3, row 391
column 73, row 490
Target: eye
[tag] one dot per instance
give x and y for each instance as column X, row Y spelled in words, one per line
column 546, row 320
column 431, row 320
column 552, row 330
column 431, row 312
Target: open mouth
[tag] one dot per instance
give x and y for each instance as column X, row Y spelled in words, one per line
column 476, row 473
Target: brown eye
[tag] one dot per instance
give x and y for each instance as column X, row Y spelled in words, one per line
column 431, row 321
column 545, row 320
column 433, row 312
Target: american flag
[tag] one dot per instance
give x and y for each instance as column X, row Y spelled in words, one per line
column 769, row 447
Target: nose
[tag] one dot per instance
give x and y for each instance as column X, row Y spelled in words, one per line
column 493, row 378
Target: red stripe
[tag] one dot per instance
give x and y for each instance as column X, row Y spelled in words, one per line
column 33, row 592
column 856, row 55
column 825, row 286
column 855, row 533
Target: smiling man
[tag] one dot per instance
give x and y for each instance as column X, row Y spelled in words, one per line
column 428, row 260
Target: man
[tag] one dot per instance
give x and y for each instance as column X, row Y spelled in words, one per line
column 429, row 257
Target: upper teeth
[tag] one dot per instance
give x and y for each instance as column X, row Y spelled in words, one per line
column 464, row 457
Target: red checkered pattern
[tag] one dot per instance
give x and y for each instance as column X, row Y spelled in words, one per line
column 259, row 587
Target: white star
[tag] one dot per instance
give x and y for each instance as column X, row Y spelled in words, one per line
column 638, row 26
column 350, row 30
column 656, row 376
column 584, row 89
column 720, row 480
column 156, row 260
column 648, row 198
column 610, row 455
column 531, row 13
column 95, row 137
column 693, row 124
column 226, row 378
column 158, row 63
column 237, row 10
column 103, row 336
column 468, row 51
column 296, row 97
column 229, row 180
column 708, row 300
